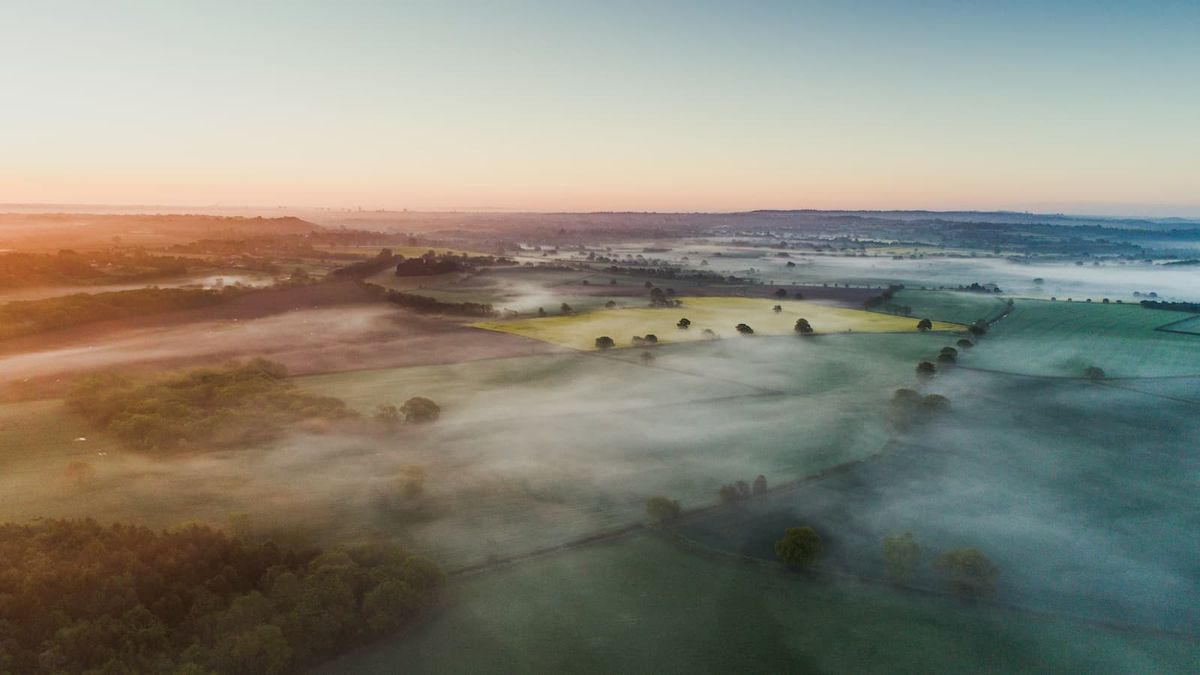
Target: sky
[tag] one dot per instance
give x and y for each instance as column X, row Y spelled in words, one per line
column 1083, row 107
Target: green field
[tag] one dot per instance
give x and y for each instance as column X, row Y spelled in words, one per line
column 719, row 314
column 951, row 306
column 534, row 451
column 1061, row 338
column 640, row 605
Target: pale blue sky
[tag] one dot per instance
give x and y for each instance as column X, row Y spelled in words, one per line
column 1075, row 106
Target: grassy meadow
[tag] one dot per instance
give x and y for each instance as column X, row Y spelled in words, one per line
column 641, row 605
column 1061, row 338
column 719, row 314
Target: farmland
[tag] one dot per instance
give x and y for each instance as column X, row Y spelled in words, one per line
column 1063, row 338
column 642, row 605
column 1111, row 466
column 717, row 314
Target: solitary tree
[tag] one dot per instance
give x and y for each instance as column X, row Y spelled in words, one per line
column 1093, row 373
column 760, row 485
column 683, row 324
column 900, row 557
column 610, row 304
column 799, row 548
column 541, row 311
column 565, row 308
column 926, row 370
column 803, row 327
column 420, row 410
column 744, row 329
column 967, row 571
column 924, row 325
column 604, row 342
column 389, row 416
column 661, row 509
column 934, row 403
column 777, row 309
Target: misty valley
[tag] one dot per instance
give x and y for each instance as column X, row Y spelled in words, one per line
column 766, row 441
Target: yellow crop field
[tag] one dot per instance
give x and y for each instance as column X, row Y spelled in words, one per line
column 720, row 315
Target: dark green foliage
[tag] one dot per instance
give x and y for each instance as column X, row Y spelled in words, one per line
column 683, row 324
column 604, row 342
column 25, row 317
column 924, row 325
column 901, row 554
column 1191, row 307
column 909, row 407
column 428, row 266
column 744, row 329
column 420, row 410
column 967, row 571
column 76, row 596
column 734, row 492
column 1093, row 373
column 661, row 509
column 799, row 548
column 803, row 327
column 760, row 485
column 23, row 270
column 926, row 370
column 428, row 305
column 978, row 328
column 235, row 405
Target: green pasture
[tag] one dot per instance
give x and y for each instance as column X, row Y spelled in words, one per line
column 718, row 314
column 952, row 306
column 641, row 605
column 1042, row 337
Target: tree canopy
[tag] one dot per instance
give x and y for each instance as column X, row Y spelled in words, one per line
column 233, row 405
column 967, row 571
column 420, row 410
column 799, row 548
column 77, row 596
column 661, row 509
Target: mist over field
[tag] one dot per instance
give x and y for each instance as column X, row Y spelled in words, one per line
column 599, row 338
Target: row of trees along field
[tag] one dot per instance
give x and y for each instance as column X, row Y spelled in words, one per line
column 26, row 317
column 71, row 268
column 76, row 597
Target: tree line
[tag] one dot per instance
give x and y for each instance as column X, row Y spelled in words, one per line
column 77, row 596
